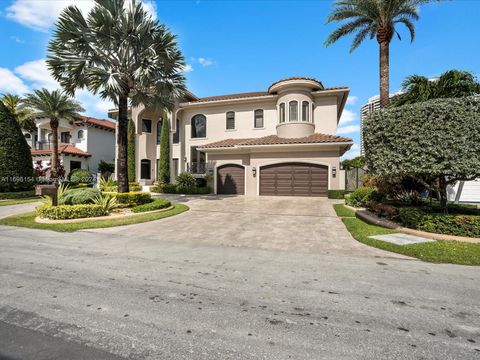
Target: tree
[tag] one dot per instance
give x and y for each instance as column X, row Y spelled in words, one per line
column 451, row 84
column 164, row 165
column 375, row 18
column 55, row 106
column 16, row 165
column 119, row 51
column 436, row 141
column 21, row 113
column 131, row 150
column 355, row 163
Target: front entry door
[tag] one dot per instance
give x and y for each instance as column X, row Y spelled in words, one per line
column 145, row 169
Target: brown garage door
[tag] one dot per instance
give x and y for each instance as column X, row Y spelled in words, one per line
column 231, row 179
column 294, row 179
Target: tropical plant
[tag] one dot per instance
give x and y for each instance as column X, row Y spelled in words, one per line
column 107, row 184
column 53, row 105
column 79, row 196
column 62, row 187
column 81, row 176
column 131, row 151
column 105, row 167
column 121, row 52
column 22, row 114
column 450, row 84
column 164, row 165
column 16, row 165
column 107, row 202
column 375, row 19
column 186, row 180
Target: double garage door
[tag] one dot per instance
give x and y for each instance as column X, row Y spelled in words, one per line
column 286, row 179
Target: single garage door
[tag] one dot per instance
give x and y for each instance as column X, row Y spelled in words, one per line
column 294, row 179
column 231, row 179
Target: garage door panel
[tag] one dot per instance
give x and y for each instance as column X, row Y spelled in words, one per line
column 231, row 179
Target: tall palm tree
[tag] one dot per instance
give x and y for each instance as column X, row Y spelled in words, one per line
column 21, row 113
column 55, row 106
column 375, row 19
column 119, row 51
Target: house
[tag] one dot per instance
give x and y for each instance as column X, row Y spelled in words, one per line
column 81, row 144
column 277, row 142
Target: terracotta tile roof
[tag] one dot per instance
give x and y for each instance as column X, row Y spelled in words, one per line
column 106, row 124
column 62, row 149
column 315, row 138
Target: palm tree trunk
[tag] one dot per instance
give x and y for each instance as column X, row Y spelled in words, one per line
column 54, row 160
column 122, row 132
column 384, row 74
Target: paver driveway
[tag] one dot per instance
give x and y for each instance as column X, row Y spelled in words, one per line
column 279, row 223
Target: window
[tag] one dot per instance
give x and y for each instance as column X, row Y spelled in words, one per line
column 65, row 137
column 75, row 165
column 282, row 112
column 197, row 161
column 159, row 131
column 80, row 134
column 199, row 126
column 176, row 135
column 293, row 111
column 230, row 120
column 305, row 109
column 146, row 126
column 28, row 136
column 258, row 121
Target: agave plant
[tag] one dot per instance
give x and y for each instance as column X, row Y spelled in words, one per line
column 107, row 202
column 107, row 184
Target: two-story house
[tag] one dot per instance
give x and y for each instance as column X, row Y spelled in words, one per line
column 277, row 142
column 81, row 144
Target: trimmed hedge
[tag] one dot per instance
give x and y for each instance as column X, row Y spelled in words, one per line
column 179, row 189
column 63, row 212
column 154, row 205
column 450, row 224
column 362, row 196
column 17, row 195
column 79, row 196
column 133, row 186
column 81, row 176
column 131, row 198
column 336, row 194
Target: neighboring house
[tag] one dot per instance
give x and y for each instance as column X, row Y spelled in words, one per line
column 277, row 142
column 465, row 191
column 81, row 144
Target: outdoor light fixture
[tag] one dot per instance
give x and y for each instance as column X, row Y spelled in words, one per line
column 254, row 171
column 334, row 171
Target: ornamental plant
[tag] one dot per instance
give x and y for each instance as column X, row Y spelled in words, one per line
column 164, row 165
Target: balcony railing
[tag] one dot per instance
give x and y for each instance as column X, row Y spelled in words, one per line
column 45, row 145
column 197, row 167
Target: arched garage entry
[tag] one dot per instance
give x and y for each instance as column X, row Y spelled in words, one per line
column 231, row 179
column 294, row 179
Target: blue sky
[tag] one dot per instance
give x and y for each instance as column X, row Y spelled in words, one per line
column 246, row 45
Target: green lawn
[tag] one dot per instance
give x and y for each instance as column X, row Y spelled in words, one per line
column 452, row 252
column 28, row 220
column 18, row 201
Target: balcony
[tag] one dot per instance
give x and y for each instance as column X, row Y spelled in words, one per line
column 197, row 167
column 45, row 145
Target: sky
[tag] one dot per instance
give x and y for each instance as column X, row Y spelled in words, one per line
column 239, row 46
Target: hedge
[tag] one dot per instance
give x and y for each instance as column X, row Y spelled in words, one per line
column 79, row 196
column 362, row 196
column 154, row 205
column 133, row 186
column 435, row 222
column 17, row 195
column 81, row 176
column 62, row 212
column 179, row 189
column 336, row 194
column 131, row 198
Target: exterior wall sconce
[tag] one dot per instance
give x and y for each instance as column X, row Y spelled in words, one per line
column 254, row 171
column 334, row 171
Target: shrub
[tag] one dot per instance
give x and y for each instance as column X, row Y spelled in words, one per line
column 402, row 188
column 186, row 180
column 106, row 167
column 362, row 196
column 134, row 186
column 17, row 195
column 107, row 184
column 336, row 194
column 79, row 196
column 62, row 212
column 164, row 162
column 81, row 176
column 107, row 202
column 192, row 190
column 451, row 224
column 201, row 182
column 132, row 198
column 131, row 150
column 161, row 187
column 154, row 205
column 383, row 210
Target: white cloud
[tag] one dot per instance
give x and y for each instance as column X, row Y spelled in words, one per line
column 11, row 83
column 352, row 100
column 17, row 39
column 38, row 74
column 352, row 153
column 205, row 62
column 187, row 68
column 42, row 14
column 348, row 129
column 347, row 117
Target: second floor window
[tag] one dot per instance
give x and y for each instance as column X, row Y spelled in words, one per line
column 159, row 131
column 146, row 126
column 199, row 126
column 305, row 109
column 65, row 137
column 176, row 135
column 80, row 134
column 230, row 120
column 258, row 122
column 282, row 112
column 293, row 111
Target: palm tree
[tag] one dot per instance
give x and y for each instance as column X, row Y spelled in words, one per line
column 21, row 113
column 375, row 18
column 450, row 84
column 119, row 51
column 55, row 106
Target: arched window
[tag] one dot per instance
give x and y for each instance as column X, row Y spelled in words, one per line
column 305, row 109
column 199, row 126
column 159, row 131
column 80, row 134
column 293, row 110
column 28, row 136
column 282, row 113
column 230, row 120
column 258, row 122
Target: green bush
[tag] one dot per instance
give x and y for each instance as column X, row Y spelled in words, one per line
column 336, row 194
column 132, row 198
column 79, row 196
column 134, row 186
column 154, row 205
column 193, row 190
column 106, row 167
column 17, row 195
column 450, row 224
column 362, row 196
column 81, row 176
column 186, row 181
column 62, row 212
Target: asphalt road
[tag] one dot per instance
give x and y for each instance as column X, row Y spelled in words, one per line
column 149, row 298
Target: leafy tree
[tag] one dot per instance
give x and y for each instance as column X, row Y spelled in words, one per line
column 374, row 19
column 16, row 165
column 55, row 106
column 451, row 84
column 164, row 166
column 21, row 113
column 131, row 150
column 106, row 168
column 355, row 163
column 436, row 141
column 119, row 51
